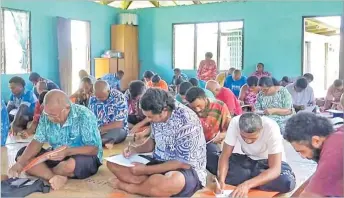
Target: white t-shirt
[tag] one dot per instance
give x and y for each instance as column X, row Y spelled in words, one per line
column 270, row 140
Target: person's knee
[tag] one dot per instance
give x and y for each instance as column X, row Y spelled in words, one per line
column 287, row 184
column 174, row 182
column 65, row 167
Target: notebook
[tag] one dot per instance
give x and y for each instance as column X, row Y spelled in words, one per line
column 127, row 162
column 42, row 158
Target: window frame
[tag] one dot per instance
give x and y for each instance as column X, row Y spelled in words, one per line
column 218, row 42
column 3, row 43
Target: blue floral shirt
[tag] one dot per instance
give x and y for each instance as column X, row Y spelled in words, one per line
column 114, row 109
column 27, row 98
column 181, row 138
column 113, row 81
column 5, row 123
column 80, row 129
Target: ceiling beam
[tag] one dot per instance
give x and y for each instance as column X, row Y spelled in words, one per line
column 155, row 3
column 197, row 2
column 125, row 4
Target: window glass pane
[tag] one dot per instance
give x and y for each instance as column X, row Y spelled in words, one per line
column 184, row 46
column 206, row 40
column 16, row 33
column 231, row 45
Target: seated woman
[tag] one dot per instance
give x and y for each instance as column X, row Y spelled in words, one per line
column 147, row 78
column 274, row 101
column 260, row 71
column 157, row 82
column 248, row 92
column 333, row 95
column 21, row 104
column 84, row 93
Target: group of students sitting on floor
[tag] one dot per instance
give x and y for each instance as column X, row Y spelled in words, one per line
column 186, row 138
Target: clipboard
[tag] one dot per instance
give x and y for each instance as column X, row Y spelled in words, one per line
column 42, row 158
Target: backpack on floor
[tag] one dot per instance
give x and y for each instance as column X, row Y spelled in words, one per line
column 19, row 187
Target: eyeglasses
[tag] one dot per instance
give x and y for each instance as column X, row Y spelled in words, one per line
column 53, row 116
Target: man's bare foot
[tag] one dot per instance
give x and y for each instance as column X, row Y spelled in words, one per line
column 113, row 183
column 109, row 145
column 58, row 182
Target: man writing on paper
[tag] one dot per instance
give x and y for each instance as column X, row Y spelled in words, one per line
column 63, row 124
column 302, row 95
column 214, row 116
column 314, row 138
column 177, row 167
column 263, row 166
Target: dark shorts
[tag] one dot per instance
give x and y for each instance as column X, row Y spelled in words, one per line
column 85, row 165
column 192, row 183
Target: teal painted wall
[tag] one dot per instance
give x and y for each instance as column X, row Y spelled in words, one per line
column 272, row 32
column 44, row 33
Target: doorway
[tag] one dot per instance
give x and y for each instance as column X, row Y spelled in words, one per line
column 321, row 43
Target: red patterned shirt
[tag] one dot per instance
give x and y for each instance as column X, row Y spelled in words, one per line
column 207, row 70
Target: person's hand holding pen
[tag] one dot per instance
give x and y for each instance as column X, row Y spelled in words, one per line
column 129, row 150
column 219, row 187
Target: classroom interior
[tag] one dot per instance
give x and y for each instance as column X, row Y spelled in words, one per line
column 289, row 37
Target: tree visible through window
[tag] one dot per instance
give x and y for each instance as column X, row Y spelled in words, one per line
column 223, row 39
column 15, row 41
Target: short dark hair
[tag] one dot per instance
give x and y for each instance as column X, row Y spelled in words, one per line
column 34, row 77
column 148, row 74
column 266, row 81
column 136, row 88
column 252, row 81
column 262, row 64
column 178, row 81
column 194, row 81
column 275, row 81
column 121, row 72
column 285, row 79
column 308, row 76
column 237, row 71
column 304, row 125
column 209, row 55
column 184, row 87
column 156, row 100
column 87, row 80
column 194, row 93
column 17, row 80
column 177, row 70
column 301, row 83
column 41, row 97
column 338, row 83
column 156, row 78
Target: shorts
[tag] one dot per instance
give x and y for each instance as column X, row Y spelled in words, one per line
column 192, row 182
column 85, row 165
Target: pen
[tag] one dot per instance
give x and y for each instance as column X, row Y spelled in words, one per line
column 218, row 184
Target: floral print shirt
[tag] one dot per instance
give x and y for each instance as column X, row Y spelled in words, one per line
column 209, row 68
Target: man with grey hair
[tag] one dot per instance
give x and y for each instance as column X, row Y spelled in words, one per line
column 263, row 165
column 62, row 124
column 111, row 109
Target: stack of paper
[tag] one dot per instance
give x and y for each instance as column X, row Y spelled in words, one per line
column 127, row 162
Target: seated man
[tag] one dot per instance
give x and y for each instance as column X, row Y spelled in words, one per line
column 235, row 82
column 314, row 138
column 262, row 166
column 21, row 104
column 214, row 116
column 302, row 95
column 63, row 124
column 114, row 80
column 136, row 118
column 83, row 95
column 184, row 87
column 179, row 159
column 111, row 109
column 37, row 114
column 225, row 95
column 197, row 83
column 178, row 75
column 157, row 82
column 333, row 95
column 35, row 78
column 309, row 77
column 221, row 77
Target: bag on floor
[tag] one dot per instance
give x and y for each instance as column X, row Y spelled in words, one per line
column 22, row 187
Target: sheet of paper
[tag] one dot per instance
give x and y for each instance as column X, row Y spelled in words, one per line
column 224, row 194
column 14, row 112
column 334, row 111
column 260, row 112
column 127, row 162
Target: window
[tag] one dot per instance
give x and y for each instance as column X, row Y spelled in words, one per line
column 15, row 41
column 224, row 40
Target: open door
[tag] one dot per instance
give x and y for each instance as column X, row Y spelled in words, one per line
column 64, row 54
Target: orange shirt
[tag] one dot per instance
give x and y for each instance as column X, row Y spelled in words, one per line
column 161, row 84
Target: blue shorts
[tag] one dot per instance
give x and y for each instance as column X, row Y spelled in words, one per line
column 192, row 182
column 85, row 165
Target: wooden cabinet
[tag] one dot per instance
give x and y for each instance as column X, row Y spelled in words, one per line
column 124, row 38
column 107, row 65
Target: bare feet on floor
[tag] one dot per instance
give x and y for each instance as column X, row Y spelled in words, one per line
column 58, row 182
column 113, row 183
column 109, row 145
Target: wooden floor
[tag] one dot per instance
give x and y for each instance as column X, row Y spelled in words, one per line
column 95, row 186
